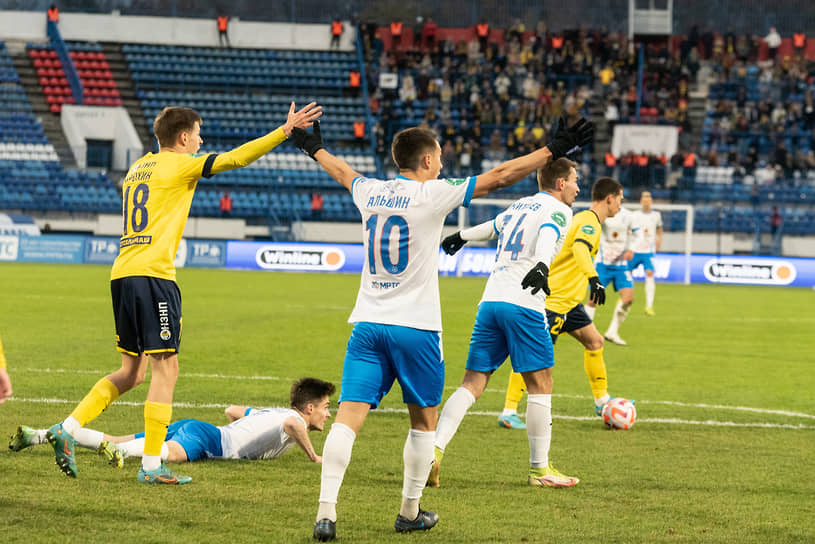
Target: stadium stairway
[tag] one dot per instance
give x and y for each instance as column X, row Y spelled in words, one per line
column 50, row 123
column 121, row 75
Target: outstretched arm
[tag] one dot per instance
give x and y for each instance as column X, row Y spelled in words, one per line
column 507, row 173
column 254, row 149
column 234, row 412
column 312, row 145
column 294, row 428
column 336, row 168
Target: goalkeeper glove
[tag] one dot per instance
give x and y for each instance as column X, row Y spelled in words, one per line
column 537, row 279
column 453, row 243
column 308, row 143
column 598, row 291
column 567, row 139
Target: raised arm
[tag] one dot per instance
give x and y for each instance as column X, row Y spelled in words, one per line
column 254, row 149
column 294, row 428
column 507, row 173
column 312, row 145
column 234, row 412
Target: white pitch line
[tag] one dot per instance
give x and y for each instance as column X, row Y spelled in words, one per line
column 676, row 421
column 488, row 390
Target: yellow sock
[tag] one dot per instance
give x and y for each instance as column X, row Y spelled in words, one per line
column 2, row 356
column 596, row 371
column 156, row 420
column 515, row 391
column 95, row 402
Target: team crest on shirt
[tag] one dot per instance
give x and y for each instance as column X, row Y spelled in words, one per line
column 455, row 181
column 615, row 234
column 588, row 229
column 559, row 218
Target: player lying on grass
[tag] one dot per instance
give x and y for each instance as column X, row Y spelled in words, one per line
column 251, row 434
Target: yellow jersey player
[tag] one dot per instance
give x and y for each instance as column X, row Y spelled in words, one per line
column 571, row 270
column 5, row 381
column 156, row 197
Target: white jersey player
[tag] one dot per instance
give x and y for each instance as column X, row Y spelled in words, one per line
column 646, row 224
column 264, row 433
column 511, row 319
column 397, row 316
column 616, row 242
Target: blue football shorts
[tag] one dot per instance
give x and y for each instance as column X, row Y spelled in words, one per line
column 198, row 438
column 643, row 259
column 619, row 275
column 502, row 329
column 378, row 354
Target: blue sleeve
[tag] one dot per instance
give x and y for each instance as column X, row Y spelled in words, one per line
column 248, row 410
column 469, row 195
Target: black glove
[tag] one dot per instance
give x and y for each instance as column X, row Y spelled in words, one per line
column 308, row 143
column 598, row 291
column 566, row 139
column 453, row 243
column 537, row 279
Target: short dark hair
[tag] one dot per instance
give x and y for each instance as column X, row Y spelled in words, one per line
column 171, row 122
column 604, row 187
column 552, row 171
column 309, row 390
column 410, row 144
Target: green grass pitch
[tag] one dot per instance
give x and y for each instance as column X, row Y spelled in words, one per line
column 722, row 450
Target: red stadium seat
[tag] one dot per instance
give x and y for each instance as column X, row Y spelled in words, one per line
column 56, row 108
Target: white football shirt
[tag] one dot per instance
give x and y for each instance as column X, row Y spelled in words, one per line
column 258, row 435
column 644, row 226
column 518, row 228
column 402, row 220
column 615, row 239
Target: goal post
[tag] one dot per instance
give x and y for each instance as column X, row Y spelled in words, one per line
column 688, row 209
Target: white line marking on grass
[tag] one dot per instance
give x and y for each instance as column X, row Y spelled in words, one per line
column 488, row 390
column 676, row 421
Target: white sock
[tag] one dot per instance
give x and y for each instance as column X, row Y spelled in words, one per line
column 71, row 425
column 451, row 416
column 602, row 400
column 418, row 458
column 590, row 311
column 617, row 318
column 539, row 429
column 135, row 447
column 39, row 436
column 508, row 412
column 650, row 287
column 88, row 438
column 150, row 462
column 336, row 456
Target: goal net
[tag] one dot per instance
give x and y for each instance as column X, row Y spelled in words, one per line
column 675, row 218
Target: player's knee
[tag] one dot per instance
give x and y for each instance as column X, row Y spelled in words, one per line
column 595, row 343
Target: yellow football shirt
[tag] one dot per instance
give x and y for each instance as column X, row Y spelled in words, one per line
column 2, row 356
column 156, row 198
column 568, row 275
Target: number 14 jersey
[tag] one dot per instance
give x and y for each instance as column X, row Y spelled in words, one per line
column 518, row 229
column 156, row 198
column 402, row 220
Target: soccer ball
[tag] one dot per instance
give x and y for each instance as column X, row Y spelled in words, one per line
column 619, row 413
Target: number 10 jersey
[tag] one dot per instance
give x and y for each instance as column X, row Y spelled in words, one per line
column 402, row 220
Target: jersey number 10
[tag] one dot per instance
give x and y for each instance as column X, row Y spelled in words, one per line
column 137, row 217
column 384, row 241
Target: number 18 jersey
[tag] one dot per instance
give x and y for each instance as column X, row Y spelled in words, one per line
column 156, row 198
column 518, row 228
column 402, row 220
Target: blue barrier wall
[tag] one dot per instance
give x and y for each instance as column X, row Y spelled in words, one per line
column 349, row 258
